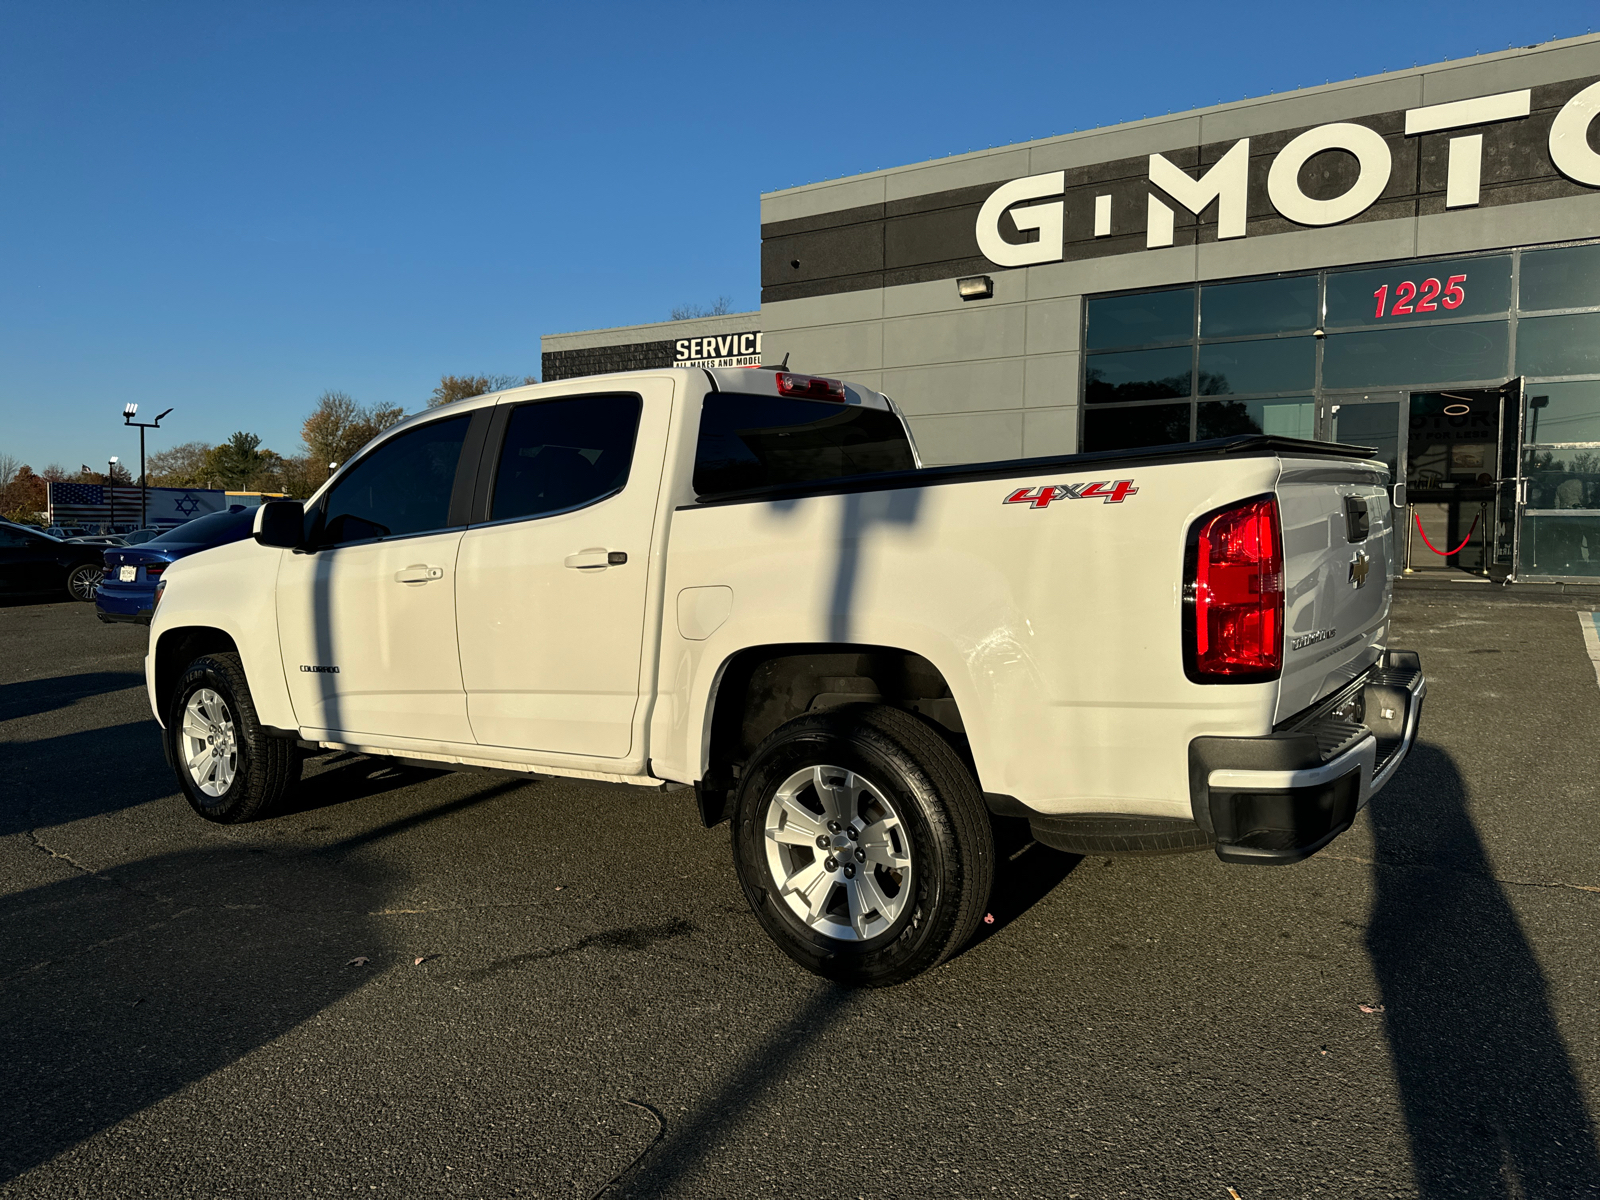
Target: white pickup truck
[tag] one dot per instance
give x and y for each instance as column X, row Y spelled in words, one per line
column 744, row 580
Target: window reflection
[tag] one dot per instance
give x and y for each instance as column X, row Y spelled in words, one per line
column 1566, row 345
column 1126, row 428
column 1270, row 365
column 1555, row 544
column 1146, row 319
column 1138, row 375
column 1562, row 412
column 1265, row 306
column 1293, row 417
column 1426, row 354
column 1565, row 278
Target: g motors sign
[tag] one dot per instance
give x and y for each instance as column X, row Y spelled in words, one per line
column 1038, row 203
column 718, row 350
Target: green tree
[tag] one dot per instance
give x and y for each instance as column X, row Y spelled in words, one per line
column 240, row 464
column 178, row 466
column 463, row 387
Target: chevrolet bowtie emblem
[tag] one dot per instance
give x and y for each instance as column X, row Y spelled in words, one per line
column 1359, row 566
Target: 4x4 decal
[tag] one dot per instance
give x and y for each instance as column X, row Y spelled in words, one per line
column 1044, row 496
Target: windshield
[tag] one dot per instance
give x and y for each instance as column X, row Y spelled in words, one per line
column 762, row 441
column 211, row 530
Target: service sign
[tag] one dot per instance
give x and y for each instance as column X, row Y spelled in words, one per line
column 718, row 350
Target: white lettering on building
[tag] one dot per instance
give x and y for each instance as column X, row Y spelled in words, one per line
column 1569, row 138
column 1227, row 181
column 1049, row 219
column 1372, row 174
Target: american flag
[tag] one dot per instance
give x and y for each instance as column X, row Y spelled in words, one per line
column 93, row 504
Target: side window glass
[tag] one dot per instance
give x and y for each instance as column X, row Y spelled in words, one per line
column 401, row 487
column 564, row 454
column 13, row 538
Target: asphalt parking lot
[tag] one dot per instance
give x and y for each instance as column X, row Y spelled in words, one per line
column 420, row 983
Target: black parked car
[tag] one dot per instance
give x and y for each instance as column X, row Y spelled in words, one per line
column 31, row 561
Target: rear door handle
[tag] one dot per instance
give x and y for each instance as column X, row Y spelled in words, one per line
column 588, row 560
column 418, row 573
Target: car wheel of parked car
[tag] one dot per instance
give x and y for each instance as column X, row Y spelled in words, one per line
column 83, row 580
column 231, row 771
column 863, row 844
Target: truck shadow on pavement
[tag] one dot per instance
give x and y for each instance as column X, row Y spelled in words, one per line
column 123, row 985
column 1493, row 1105
column 34, row 697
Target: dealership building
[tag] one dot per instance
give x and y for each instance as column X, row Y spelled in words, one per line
column 1409, row 261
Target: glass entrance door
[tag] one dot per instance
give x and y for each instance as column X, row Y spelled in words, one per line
column 1456, row 484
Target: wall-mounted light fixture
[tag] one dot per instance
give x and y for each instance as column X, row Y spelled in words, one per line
column 975, row 287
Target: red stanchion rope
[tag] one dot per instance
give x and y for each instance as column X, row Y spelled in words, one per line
column 1435, row 549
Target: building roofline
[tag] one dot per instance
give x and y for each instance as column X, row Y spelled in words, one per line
column 1333, row 87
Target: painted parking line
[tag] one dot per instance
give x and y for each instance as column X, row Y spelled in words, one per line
column 1589, row 622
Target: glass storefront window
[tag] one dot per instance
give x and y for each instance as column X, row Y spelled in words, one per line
column 1562, row 478
column 1562, row 412
column 1142, row 425
column 1266, row 306
column 1293, row 416
column 1567, row 277
column 1266, row 365
column 1559, row 544
column 1138, row 375
column 1565, row 345
column 1147, row 319
column 1404, row 293
column 1376, row 425
column 1427, row 354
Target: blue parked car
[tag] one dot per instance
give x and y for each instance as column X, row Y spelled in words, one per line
column 127, row 589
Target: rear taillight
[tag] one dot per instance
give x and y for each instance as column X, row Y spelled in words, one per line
column 107, row 571
column 153, row 570
column 1233, row 594
column 810, row 387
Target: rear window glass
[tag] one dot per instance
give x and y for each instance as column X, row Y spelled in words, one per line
column 212, row 530
column 763, row 441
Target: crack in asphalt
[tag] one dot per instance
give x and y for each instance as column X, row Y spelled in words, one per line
column 629, row 937
column 1556, row 884
column 38, row 844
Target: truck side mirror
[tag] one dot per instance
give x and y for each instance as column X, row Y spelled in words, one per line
column 281, row 524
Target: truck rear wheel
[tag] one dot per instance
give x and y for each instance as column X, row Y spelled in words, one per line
column 862, row 844
column 230, row 770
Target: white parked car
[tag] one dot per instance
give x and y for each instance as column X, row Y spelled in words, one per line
column 743, row 580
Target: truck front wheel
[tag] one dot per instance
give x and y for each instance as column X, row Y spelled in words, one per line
column 862, row 844
column 230, row 770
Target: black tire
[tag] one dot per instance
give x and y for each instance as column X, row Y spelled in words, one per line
column 265, row 768
column 83, row 581
column 951, row 841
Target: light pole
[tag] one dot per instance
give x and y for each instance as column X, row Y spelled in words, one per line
column 128, row 411
column 111, row 487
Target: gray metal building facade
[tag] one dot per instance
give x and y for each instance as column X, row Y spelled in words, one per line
column 1408, row 242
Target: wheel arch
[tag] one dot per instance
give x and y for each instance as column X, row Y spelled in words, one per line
column 174, row 650
column 759, row 688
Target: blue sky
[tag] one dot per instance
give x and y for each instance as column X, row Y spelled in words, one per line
column 227, row 209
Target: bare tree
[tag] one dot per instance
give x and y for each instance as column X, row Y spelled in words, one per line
column 179, row 466
column 688, row 312
column 10, row 464
column 338, row 427
column 463, row 387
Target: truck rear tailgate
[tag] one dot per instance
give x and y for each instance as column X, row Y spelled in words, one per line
column 1338, row 547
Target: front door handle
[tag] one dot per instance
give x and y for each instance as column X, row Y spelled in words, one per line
column 589, row 560
column 418, row 573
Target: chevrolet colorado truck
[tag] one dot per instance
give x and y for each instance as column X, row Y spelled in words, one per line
column 745, row 581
